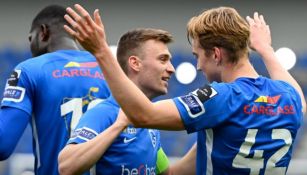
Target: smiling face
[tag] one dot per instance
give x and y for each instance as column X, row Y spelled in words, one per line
column 155, row 68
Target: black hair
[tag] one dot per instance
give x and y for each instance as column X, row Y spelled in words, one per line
column 52, row 16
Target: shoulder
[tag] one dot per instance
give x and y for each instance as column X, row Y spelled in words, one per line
column 105, row 110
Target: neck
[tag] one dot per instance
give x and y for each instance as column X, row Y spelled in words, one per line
column 147, row 93
column 231, row 72
column 63, row 43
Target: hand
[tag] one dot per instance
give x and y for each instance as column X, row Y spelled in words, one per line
column 90, row 33
column 260, row 35
column 122, row 119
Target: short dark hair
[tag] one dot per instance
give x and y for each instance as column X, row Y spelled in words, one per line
column 132, row 40
column 52, row 16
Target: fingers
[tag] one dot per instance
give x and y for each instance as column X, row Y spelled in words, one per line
column 250, row 21
column 262, row 20
column 85, row 15
column 70, row 31
column 80, row 20
column 97, row 18
column 268, row 29
column 257, row 20
column 72, row 23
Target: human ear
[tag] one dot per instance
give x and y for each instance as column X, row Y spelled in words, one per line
column 134, row 63
column 44, row 32
column 217, row 55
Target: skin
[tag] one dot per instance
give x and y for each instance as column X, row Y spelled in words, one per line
column 44, row 40
column 150, row 71
column 164, row 114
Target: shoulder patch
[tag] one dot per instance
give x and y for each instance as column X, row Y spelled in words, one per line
column 205, row 93
column 84, row 134
column 13, row 79
column 193, row 102
column 13, row 93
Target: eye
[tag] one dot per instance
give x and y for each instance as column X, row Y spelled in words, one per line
column 195, row 55
column 164, row 58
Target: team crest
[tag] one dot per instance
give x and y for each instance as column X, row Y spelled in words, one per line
column 153, row 137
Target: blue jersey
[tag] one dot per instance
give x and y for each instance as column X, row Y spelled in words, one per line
column 134, row 151
column 55, row 89
column 244, row 127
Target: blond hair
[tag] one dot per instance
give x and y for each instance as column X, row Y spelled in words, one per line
column 221, row 27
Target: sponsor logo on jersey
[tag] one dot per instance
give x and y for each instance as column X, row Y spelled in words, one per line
column 130, row 130
column 84, row 134
column 129, row 140
column 194, row 101
column 268, row 99
column 77, row 73
column 83, row 65
column 141, row 170
column 13, row 79
column 13, row 93
column 153, row 137
column 75, row 69
column 267, row 105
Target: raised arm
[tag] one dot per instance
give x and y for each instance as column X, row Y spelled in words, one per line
column 260, row 39
column 91, row 35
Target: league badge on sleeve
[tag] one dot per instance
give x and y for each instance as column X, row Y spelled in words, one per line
column 13, row 92
column 84, row 134
column 194, row 102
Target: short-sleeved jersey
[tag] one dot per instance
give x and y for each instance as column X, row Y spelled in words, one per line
column 55, row 89
column 134, row 151
column 244, row 127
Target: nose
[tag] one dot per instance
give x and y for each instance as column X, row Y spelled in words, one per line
column 198, row 66
column 170, row 68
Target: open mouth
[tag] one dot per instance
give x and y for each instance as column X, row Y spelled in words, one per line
column 165, row 78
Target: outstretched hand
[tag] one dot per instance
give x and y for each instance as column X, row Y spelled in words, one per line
column 89, row 32
column 260, row 35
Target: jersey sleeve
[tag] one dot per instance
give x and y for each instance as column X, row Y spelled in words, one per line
column 93, row 122
column 207, row 107
column 162, row 161
column 20, row 88
column 11, row 118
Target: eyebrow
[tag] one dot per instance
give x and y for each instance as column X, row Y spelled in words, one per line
column 167, row 55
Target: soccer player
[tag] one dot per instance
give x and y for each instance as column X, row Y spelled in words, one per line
column 246, row 123
column 101, row 139
column 51, row 91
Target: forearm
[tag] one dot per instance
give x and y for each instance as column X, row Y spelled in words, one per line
column 260, row 40
column 127, row 94
column 91, row 35
column 78, row 158
column 277, row 72
column 186, row 165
